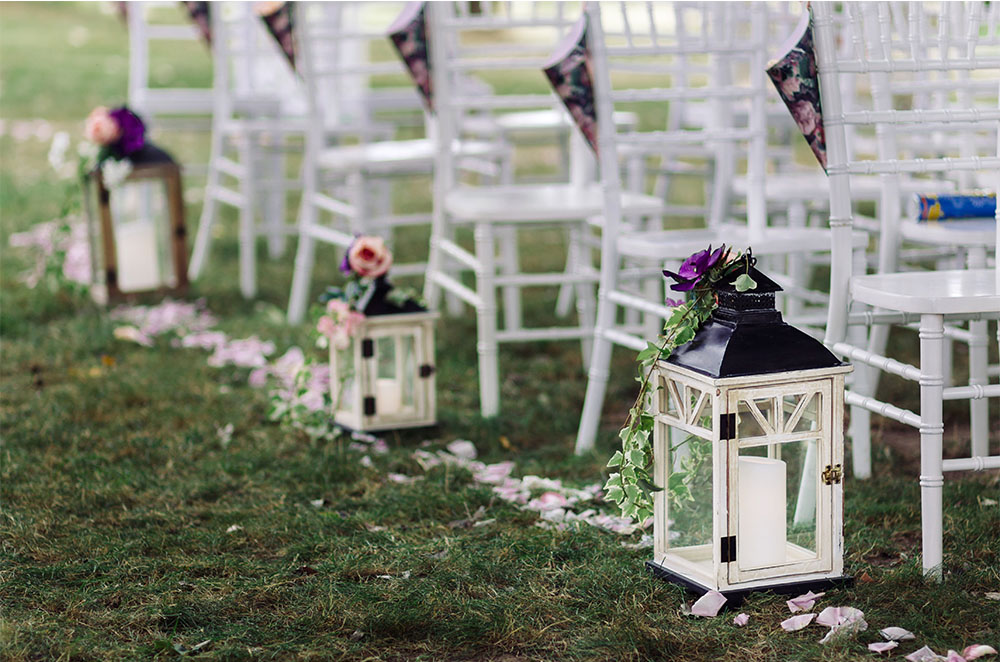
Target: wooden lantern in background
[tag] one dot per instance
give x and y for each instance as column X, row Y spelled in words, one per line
column 748, row 442
column 385, row 379
column 138, row 236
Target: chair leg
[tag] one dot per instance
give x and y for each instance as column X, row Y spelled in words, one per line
column 510, row 265
column 860, row 427
column 486, row 312
column 203, row 239
column 931, row 443
column 979, row 408
column 248, row 234
column 597, row 376
column 586, row 309
column 564, row 302
column 275, row 210
column 305, row 256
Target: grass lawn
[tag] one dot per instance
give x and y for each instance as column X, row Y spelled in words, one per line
column 116, row 490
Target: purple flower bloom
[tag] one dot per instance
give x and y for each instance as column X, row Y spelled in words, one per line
column 673, row 303
column 694, row 269
column 133, row 131
column 345, row 264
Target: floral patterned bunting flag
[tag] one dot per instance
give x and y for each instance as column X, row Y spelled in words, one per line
column 569, row 71
column 408, row 34
column 796, row 79
column 200, row 13
column 279, row 18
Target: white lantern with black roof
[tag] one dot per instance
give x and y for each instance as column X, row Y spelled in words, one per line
column 748, row 446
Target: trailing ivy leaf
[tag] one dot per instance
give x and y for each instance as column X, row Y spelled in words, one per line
column 616, row 459
column 614, row 480
column 744, row 283
column 637, row 457
column 648, row 354
column 684, row 334
column 615, row 494
column 648, row 486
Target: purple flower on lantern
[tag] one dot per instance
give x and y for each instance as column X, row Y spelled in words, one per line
column 345, row 264
column 694, row 269
column 132, row 134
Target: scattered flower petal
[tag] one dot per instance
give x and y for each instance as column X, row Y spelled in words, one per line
column 740, row 620
column 462, row 448
column 366, row 462
column 804, row 602
column 403, row 480
column 133, row 334
column 953, row 656
column 797, row 622
column 708, row 605
column 644, row 543
column 882, row 646
column 992, row 595
column 234, row 528
column 896, row 634
column 976, row 651
column 834, row 616
column 924, row 654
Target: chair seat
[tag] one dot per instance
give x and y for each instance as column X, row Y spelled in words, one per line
column 539, row 202
column 815, row 186
column 962, row 232
column 961, row 291
column 533, row 123
column 679, row 244
column 395, row 154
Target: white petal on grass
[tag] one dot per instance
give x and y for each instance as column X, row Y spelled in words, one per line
column 234, row 528
column 797, row 622
column 834, row 616
column 953, row 656
column 708, row 605
column 992, row 595
column 924, row 654
column 896, row 634
column 882, row 646
column 740, row 620
column 847, row 629
column 462, row 448
column 976, row 651
column 804, row 602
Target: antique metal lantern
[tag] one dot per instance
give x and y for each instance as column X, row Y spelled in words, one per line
column 748, row 444
column 138, row 237
column 385, row 378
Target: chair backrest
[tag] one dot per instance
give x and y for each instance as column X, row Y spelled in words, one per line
column 335, row 42
column 650, row 48
column 949, row 51
column 504, row 44
column 150, row 23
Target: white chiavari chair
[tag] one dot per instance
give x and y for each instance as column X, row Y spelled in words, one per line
column 887, row 47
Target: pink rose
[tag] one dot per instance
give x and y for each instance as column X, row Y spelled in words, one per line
column 326, row 326
column 369, row 258
column 101, row 128
column 805, row 116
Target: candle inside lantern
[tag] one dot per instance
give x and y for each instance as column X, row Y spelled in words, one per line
column 762, row 535
column 138, row 259
column 388, row 399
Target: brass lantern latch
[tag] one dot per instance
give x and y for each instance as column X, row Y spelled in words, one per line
column 832, row 474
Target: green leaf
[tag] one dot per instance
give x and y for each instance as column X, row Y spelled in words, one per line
column 632, row 492
column 684, row 334
column 637, row 457
column 616, row 459
column 648, row 486
column 614, row 480
column 744, row 283
column 651, row 352
column 615, row 494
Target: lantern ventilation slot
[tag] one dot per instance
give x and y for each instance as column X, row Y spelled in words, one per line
column 426, row 370
column 727, row 549
column 727, row 427
column 367, row 348
column 832, row 474
column 370, row 405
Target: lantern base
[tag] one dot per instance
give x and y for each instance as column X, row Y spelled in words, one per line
column 735, row 597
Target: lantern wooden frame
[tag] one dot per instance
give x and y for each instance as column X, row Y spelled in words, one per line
column 717, row 567
column 359, row 410
column 150, row 163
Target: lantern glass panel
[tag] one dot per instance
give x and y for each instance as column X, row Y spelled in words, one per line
column 687, row 476
column 778, row 479
column 140, row 214
column 396, row 374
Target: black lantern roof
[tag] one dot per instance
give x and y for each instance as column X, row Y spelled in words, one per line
column 150, row 154
column 377, row 301
column 746, row 336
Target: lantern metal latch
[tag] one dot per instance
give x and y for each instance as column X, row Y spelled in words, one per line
column 727, row 427
column 369, row 405
column 727, row 549
column 426, row 370
column 367, row 348
column 832, row 474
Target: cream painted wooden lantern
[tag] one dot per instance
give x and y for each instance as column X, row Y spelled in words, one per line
column 137, row 232
column 748, row 442
column 385, row 379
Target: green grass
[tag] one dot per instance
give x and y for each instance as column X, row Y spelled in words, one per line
column 116, row 491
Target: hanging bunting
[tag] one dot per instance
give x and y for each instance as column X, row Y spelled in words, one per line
column 795, row 76
column 279, row 18
column 200, row 14
column 408, row 34
column 569, row 71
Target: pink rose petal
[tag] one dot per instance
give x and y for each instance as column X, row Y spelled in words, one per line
column 708, row 605
column 834, row 616
column 797, row 622
column 548, row 501
column 803, row 602
column 462, row 448
column 953, row 656
column 978, row 650
column 740, row 620
column 896, row 634
column 924, row 654
column 882, row 646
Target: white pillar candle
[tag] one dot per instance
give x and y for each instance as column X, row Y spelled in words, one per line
column 762, row 537
column 138, row 258
column 388, row 399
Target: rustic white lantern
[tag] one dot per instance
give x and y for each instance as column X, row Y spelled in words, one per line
column 137, row 231
column 385, row 379
column 748, row 444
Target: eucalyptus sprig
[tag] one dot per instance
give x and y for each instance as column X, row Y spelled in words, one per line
column 632, row 486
